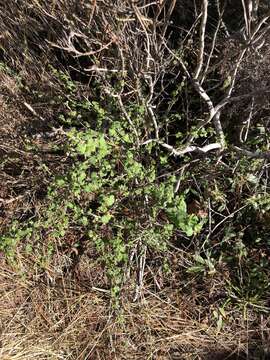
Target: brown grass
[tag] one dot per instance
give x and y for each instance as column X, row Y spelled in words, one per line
column 70, row 317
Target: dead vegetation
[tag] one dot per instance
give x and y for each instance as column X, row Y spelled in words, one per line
column 67, row 321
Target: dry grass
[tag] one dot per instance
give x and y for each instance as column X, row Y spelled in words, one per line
column 70, row 317
column 28, row 160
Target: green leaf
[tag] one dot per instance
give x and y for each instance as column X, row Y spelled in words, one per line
column 81, row 148
column 227, row 82
column 199, row 259
column 195, row 269
column 110, row 200
column 84, row 220
column 105, row 218
column 219, row 323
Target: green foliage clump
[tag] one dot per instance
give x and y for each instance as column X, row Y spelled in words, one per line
column 112, row 195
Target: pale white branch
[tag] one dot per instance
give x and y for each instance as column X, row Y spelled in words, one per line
column 202, row 39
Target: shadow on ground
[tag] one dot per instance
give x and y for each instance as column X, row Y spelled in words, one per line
column 228, row 355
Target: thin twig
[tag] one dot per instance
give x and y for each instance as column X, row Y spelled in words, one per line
column 33, row 111
column 254, row 155
column 125, row 113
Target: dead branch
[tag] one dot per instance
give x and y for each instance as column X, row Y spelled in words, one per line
column 202, row 39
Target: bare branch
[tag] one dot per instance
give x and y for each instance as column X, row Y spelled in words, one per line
column 254, row 155
column 186, row 149
column 246, row 125
column 213, row 111
column 125, row 113
column 246, row 12
column 70, row 48
column 212, row 46
column 33, row 111
column 202, row 39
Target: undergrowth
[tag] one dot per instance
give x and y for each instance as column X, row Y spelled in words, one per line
column 134, row 174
